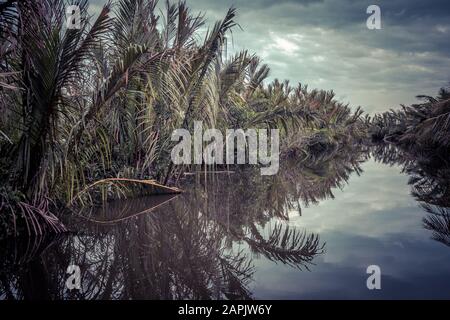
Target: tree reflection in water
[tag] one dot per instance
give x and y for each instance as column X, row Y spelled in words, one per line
column 198, row 245
column 429, row 177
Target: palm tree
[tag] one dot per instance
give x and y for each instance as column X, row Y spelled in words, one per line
column 423, row 126
column 81, row 105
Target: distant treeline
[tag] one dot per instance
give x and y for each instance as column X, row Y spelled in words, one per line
column 420, row 127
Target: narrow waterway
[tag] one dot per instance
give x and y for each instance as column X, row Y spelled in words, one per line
column 373, row 220
column 309, row 232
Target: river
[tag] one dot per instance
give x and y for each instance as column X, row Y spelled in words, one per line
column 309, row 232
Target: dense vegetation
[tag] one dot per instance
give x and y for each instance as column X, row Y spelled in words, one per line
column 419, row 128
column 77, row 106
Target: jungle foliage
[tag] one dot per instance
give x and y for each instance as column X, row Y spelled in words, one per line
column 81, row 105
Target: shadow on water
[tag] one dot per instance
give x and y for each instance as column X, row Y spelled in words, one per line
column 202, row 244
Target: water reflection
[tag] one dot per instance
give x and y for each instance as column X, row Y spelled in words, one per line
column 429, row 178
column 204, row 244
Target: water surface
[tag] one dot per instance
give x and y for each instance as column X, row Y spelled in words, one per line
column 308, row 233
column 372, row 220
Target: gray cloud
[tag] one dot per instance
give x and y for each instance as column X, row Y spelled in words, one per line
column 326, row 44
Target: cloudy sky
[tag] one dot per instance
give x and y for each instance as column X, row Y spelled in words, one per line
column 326, row 44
